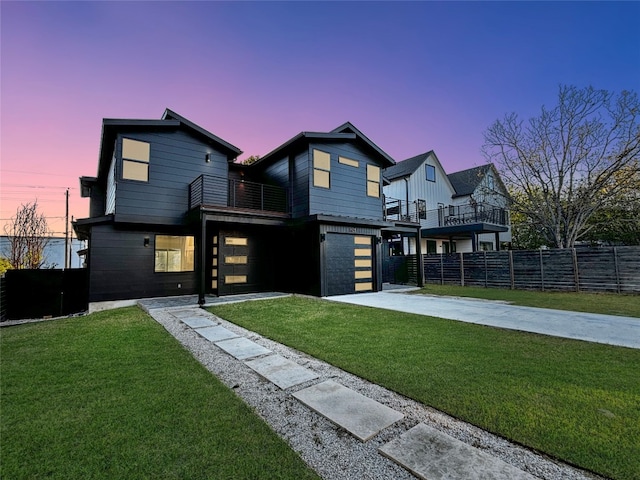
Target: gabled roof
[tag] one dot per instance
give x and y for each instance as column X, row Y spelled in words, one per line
column 232, row 150
column 169, row 121
column 349, row 127
column 465, row 182
column 344, row 132
column 406, row 167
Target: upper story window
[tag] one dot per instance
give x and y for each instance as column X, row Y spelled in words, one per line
column 373, row 181
column 321, row 169
column 135, row 160
column 174, row 253
column 348, row 161
column 431, row 173
column 490, row 182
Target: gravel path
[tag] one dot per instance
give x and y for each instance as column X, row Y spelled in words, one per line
column 331, row 451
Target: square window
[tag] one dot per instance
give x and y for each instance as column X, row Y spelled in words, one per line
column 431, row 173
column 174, row 253
column 135, row 160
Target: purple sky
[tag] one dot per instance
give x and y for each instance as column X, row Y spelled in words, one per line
column 412, row 76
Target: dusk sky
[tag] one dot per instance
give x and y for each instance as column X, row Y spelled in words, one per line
column 412, row 76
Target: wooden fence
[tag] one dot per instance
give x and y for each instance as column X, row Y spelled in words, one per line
column 603, row 269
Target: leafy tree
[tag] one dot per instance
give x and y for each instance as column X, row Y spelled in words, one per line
column 618, row 221
column 28, row 236
column 4, row 265
column 563, row 163
column 251, row 159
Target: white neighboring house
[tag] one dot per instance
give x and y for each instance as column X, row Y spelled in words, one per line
column 464, row 211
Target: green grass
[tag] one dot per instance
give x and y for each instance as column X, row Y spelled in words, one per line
column 574, row 400
column 112, row 395
column 607, row 303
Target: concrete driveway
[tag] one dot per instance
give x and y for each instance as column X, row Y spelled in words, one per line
column 591, row 327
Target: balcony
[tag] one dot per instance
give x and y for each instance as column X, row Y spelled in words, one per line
column 208, row 190
column 400, row 211
column 445, row 216
column 454, row 215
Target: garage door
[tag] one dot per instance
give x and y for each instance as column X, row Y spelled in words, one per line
column 349, row 263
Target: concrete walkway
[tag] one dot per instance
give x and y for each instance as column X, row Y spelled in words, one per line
column 591, row 327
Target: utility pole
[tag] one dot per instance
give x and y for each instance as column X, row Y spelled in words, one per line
column 66, row 232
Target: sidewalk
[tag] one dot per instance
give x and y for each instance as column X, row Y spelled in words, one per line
column 590, row 327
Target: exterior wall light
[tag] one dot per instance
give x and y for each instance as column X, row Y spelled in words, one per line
column 207, row 158
column 146, row 241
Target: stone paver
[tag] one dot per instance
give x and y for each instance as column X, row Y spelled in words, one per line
column 432, row 455
column 198, row 322
column 359, row 415
column 242, row 348
column 216, row 333
column 281, row 371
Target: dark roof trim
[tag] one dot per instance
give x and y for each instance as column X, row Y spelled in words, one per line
column 301, row 139
column 348, row 126
column 407, row 167
column 85, row 186
column 170, row 121
column 170, row 114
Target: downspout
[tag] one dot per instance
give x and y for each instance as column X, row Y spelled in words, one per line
column 406, row 183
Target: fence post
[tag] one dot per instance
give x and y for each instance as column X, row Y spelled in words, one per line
column 511, row 274
column 461, row 269
column 576, row 273
column 541, row 271
column 441, row 269
column 486, row 272
column 615, row 262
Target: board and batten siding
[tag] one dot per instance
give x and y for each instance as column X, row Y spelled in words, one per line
column 121, row 267
column 347, row 195
column 176, row 159
column 434, row 193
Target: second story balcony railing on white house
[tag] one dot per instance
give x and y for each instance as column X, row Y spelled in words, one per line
column 209, row 190
column 445, row 215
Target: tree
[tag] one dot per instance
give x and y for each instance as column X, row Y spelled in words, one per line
column 250, row 160
column 618, row 220
column 28, row 236
column 563, row 163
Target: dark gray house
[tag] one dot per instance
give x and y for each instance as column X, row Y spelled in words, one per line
column 171, row 213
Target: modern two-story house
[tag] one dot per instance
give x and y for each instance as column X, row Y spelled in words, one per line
column 172, row 213
column 460, row 212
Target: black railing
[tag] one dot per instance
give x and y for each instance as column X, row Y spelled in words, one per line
column 464, row 214
column 445, row 216
column 401, row 211
column 241, row 194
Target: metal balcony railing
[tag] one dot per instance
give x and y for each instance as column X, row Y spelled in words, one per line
column 444, row 216
column 241, row 194
column 401, row 211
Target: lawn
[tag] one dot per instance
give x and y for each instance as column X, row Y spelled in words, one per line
column 574, row 400
column 113, row 395
column 607, row 303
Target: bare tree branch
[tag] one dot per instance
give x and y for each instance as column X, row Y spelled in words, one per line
column 561, row 166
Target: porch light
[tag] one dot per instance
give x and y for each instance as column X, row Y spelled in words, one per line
column 207, row 158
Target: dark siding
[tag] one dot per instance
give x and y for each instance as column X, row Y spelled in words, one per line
column 348, row 193
column 121, row 267
column 277, row 173
column 97, row 201
column 176, row 159
column 299, row 175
